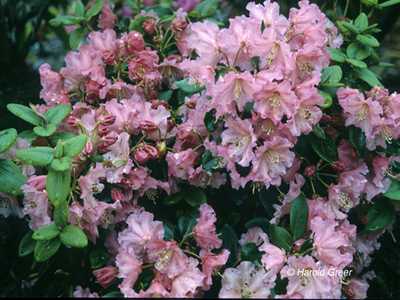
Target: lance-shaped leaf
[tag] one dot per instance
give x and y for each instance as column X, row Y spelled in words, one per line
column 57, row 113
column 195, row 196
column 57, row 186
column 61, row 164
column 46, row 232
column 204, row 9
column 38, row 156
column 11, row 178
column 28, row 135
column 394, row 190
column 280, row 237
column 7, row 139
column 46, row 249
column 251, row 253
column 60, row 214
column 63, row 136
column 189, row 88
column 27, row 244
column 73, row 236
column 45, row 130
column 380, row 215
column 79, row 9
column 357, row 138
column 298, row 216
column 76, row 37
column 25, row 113
column 94, row 10
column 325, row 147
column 74, row 146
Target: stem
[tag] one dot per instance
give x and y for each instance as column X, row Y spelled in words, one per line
column 313, row 188
column 237, row 54
column 345, row 9
column 330, row 175
column 371, row 12
column 193, row 254
column 49, row 141
column 180, row 244
column 201, row 145
column 237, row 262
column 226, row 57
column 323, row 182
column 136, row 146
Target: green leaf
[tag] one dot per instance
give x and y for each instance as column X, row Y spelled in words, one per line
column 74, row 146
column 251, row 253
column 38, row 156
column 61, row 164
column 25, row 113
column 159, row 10
column 174, row 198
column 28, row 135
column 166, row 18
column 76, row 37
column 307, row 244
column 63, row 136
column 45, row 130
column 280, row 237
column 210, row 121
column 337, row 55
column 113, row 295
column 94, row 10
column 27, row 244
column 97, row 158
column 186, row 224
column 136, row 24
column 229, row 241
column 46, row 232
column 64, row 20
column 195, row 196
column 79, row 9
column 233, row 219
column 394, row 190
column 385, row 64
column 388, row 3
column 357, row 138
column 327, row 99
column 380, row 215
column 73, row 236
column 168, row 230
column 98, row 257
column 189, row 88
column 11, row 178
column 263, row 223
column 367, row 76
column 46, row 249
column 356, row 63
column 60, row 214
column 298, row 216
column 57, row 113
column 325, row 148
column 57, row 186
column 370, row 2
column 347, row 27
column 358, row 51
column 59, row 149
column 166, row 96
column 210, row 163
column 7, row 139
column 361, row 22
column 214, row 21
column 331, row 74
column 368, row 40
column 204, row 9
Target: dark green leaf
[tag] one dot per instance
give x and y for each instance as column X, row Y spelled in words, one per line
column 331, row 74
column 46, row 232
column 60, row 214
column 45, row 130
column 79, row 9
column 73, row 236
column 166, row 18
column 307, row 244
column 174, row 198
column 380, row 215
column 327, row 99
column 27, row 244
column 388, row 3
column 25, row 113
column 64, row 20
column 38, row 156
column 136, row 24
column 258, row 222
column 123, row 24
column 97, row 158
column 59, row 149
column 74, row 146
column 356, row 63
column 325, row 148
column 233, row 219
column 280, row 237
column 189, row 88
column 46, row 249
column 209, row 162
column 358, row 51
column 210, row 121
column 98, row 257
column 367, row 76
column 204, row 9
column 195, row 196
column 250, row 252
column 186, row 224
column 298, row 216
column 28, row 135
column 63, row 136
column 57, row 186
column 7, row 139
column 94, row 10
column 11, row 178
column 214, row 21
column 166, row 96
column 57, row 113
column 394, row 190
column 368, row 40
column 76, row 37
column 337, row 55
column 113, row 295
column 347, row 27
column 229, row 241
column 61, row 164
column 357, row 138
column 160, row 10
column 168, row 230
column 361, row 22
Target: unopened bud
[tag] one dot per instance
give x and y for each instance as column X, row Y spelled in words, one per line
column 348, row 292
column 161, row 147
column 170, row 125
column 151, row 151
column 103, row 131
column 309, row 171
column 141, row 156
column 362, row 218
column 179, row 26
column 191, row 104
column 106, row 276
column 149, row 26
column 88, row 149
column 147, row 126
column 116, row 195
column 184, row 131
column 338, row 166
column 157, row 40
column 325, row 119
column 109, row 140
column 73, row 122
column 153, row 95
column 107, row 120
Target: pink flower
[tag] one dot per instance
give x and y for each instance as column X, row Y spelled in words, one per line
column 181, row 164
column 84, row 293
column 90, row 184
column 246, row 281
column 204, row 231
column 211, row 263
column 129, row 269
column 188, row 280
column 107, row 19
column 9, row 205
column 274, row 258
column 106, row 276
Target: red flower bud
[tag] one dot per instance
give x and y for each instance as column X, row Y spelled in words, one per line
column 362, row 218
column 147, row 126
column 170, row 125
column 106, row 276
column 116, row 194
column 191, row 104
column 141, row 156
column 103, row 131
column 151, row 151
column 153, row 95
column 109, row 140
column 338, row 166
column 157, row 40
column 179, row 26
column 325, row 119
column 73, row 122
column 107, row 120
column 309, row 171
column 88, row 149
column 149, row 26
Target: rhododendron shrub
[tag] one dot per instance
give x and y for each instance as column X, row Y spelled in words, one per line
column 193, row 159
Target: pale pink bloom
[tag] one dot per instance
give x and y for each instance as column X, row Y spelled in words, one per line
column 203, row 178
column 274, row 258
column 205, row 230
column 9, row 205
column 141, row 229
column 84, row 293
column 129, row 269
column 181, row 164
column 382, row 134
column 105, row 41
column 171, row 71
column 120, row 90
column 158, row 116
column 143, row 64
column 211, row 263
column 199, row 74
column 155, row 290
column 126, row 114
column 348, row 155
column 84, row 218
column 107, row 19
column 112, row 245
column 52, row 82
column 254, row 234
column 307, row 15
column 246, row 281
column 90, row 184
column 335, row 39
column 188, row 280
column 303, row 284
column 392, row 110
column 19, row 144
column 355, row 289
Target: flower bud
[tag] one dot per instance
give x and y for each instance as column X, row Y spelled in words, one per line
column 106, row 276
column 362, row 218
column 151, row 151
column 157, row 40
column 179, row 26
column 178, row 57
column 161, row 147
column 348, row 292
column 108, row 58
column 103, row 131
column 88, row 149
column 153, row 95
column 107, row 120
column 191, row 104
column 170, row 125
column 147, row 126
column 325, row 119
column 309, row 171
column 141, row 156
column 154, row 103
column 109, row 140
column 184, row 131
column 134, row 42
column 116, row 194
column 338, row 166
column 149, row 26
column 73, row 122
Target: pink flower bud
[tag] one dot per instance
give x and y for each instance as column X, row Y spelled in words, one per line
column 325, row 119
column 178, row 57
column 103, row 131
column 184, row 131
column 362, row 218
column 170, row 125
column 88, row 149
column 108, row 58
column 338, row 166
column 107, row 120
column 73, row 122
column 147, row 126
column 116, row 194
column 179, row 26
column 106, row 276
column 191, row 104
column 109, row 140
column 153, row 95
column 154, row 103
column 141, row 156
column 165, row 104
column 309, row 171
column 134, row 42
column 151, row 151
column 149, row 26
column 348, row 292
